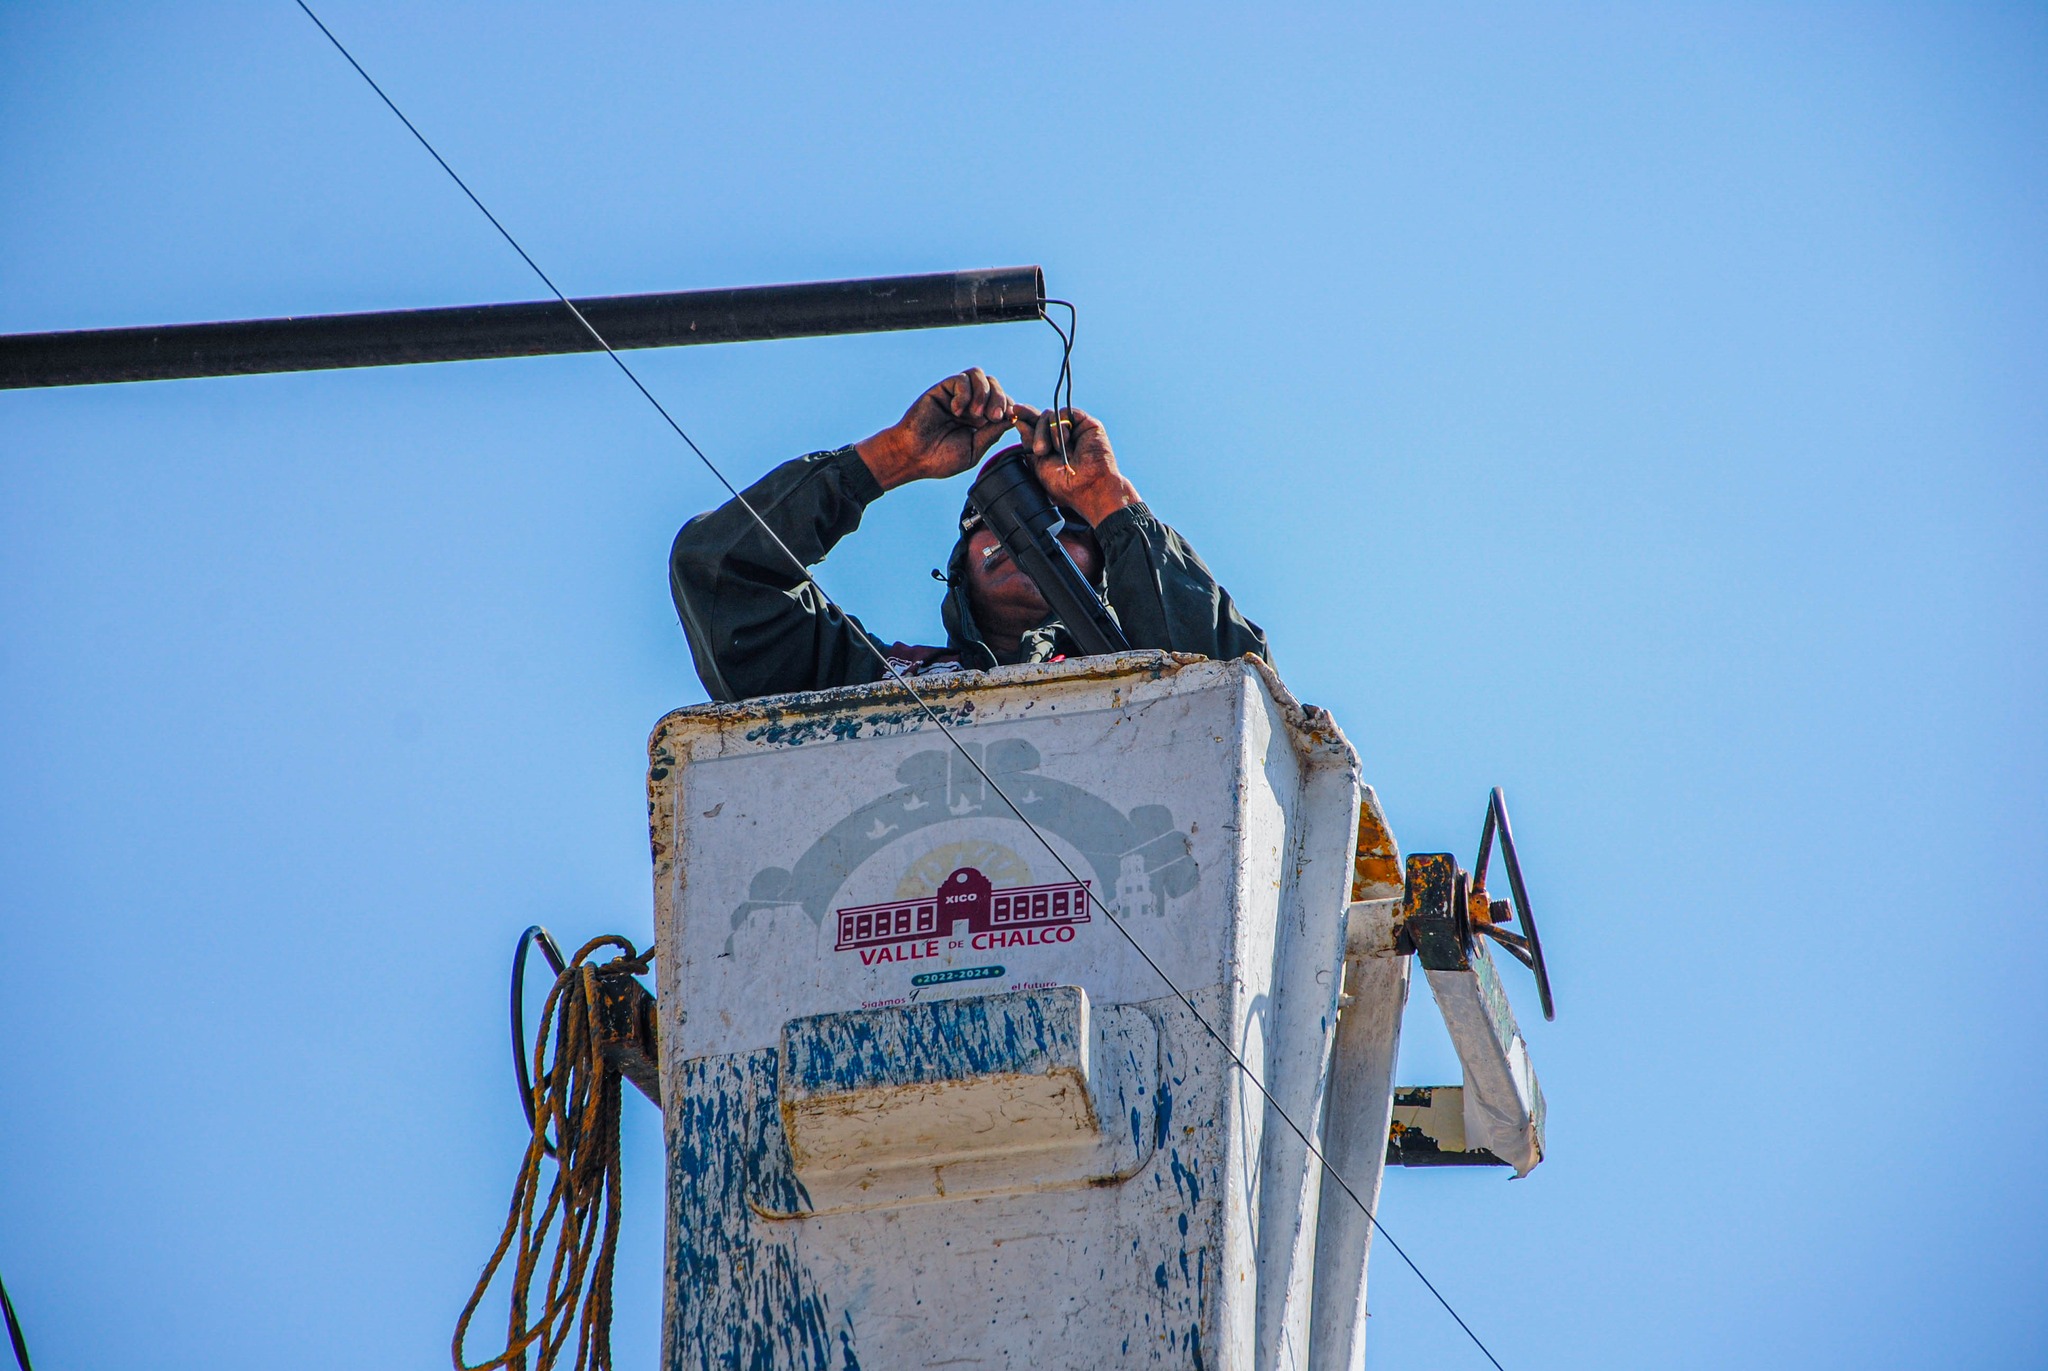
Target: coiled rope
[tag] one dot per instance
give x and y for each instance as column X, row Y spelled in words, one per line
column 575, row 1095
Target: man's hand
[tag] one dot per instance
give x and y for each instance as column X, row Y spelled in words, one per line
column 1085, row 480
column 946, row 431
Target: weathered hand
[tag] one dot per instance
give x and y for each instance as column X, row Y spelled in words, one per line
column 945, row 431
column 1086, row 479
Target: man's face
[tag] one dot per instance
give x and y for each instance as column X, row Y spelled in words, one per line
column 1005, row 601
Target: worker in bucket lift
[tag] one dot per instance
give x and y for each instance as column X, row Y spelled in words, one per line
column 757, row 627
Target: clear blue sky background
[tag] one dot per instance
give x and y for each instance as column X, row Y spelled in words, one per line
column 1643, row 408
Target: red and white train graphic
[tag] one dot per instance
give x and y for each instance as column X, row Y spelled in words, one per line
column 1021, row 916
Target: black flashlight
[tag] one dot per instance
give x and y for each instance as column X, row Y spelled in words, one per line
column 1023, row 517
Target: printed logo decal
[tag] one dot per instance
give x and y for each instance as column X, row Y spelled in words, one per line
column 1139, row 860
column 911, row 929
column 965, row 973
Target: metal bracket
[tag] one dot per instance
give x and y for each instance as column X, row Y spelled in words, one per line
column 1487, row 915
column 628, row 1030
column 1433, row 917
column 1446, row 919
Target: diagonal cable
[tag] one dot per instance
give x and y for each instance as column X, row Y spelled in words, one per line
column 901, row 681
column 14, row 1335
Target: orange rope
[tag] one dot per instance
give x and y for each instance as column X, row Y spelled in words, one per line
column 578, row 1095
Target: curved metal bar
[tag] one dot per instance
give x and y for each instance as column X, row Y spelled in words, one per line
column 1485, row 846
column 1461, row 911
column 1497, row 817
column 1517, row 948
column 549, row 950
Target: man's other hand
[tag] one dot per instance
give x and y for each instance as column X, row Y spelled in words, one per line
column 944, row 432
column 1083, row 475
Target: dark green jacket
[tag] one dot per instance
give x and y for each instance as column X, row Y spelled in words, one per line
column 756, row 627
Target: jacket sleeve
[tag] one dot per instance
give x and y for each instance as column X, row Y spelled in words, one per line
column 1163, row 594
column 755, row 625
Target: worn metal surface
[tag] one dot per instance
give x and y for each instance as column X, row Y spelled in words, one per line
column 1428, row 1129
column 802, row 847
column 527, row 329
column 1308, row 980
column 1376, row 862
column 629, row 1030
column 931, row 1083
column 1431, row 916
column 1355, row 1131
column 962, row 1134
column 1503, row 1103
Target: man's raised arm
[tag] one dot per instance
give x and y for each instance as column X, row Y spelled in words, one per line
column 755, row 623
column 1164, row 595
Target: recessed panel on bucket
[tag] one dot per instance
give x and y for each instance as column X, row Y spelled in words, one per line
column 933, row 1082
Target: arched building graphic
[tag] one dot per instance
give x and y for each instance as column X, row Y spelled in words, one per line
column 938, row 786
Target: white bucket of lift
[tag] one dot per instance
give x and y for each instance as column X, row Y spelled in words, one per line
column 926, row 1105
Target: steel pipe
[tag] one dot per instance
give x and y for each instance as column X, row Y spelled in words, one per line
column 529, row 329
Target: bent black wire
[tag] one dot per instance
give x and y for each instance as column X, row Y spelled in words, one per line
column 549, row 950
column 1065, row 378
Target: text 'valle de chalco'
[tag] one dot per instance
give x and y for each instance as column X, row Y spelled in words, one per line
column 918, row 928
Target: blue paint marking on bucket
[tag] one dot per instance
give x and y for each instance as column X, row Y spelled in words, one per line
column 965, row 973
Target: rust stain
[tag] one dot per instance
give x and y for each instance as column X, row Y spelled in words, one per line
column 1478, row 906
column 1376, row 867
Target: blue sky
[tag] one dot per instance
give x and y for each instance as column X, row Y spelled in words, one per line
column 1642, row 408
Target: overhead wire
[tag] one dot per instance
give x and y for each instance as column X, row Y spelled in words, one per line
column 15, row 1338
column 1065, row 381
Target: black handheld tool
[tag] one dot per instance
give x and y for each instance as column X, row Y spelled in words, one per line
column 1023, row 517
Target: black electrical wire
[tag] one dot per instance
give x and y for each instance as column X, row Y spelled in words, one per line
column 14, row 1330
column 1062, row 406
column 553, row 952
column 1066, row 377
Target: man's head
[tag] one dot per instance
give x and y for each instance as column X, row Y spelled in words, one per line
column 1006, row 603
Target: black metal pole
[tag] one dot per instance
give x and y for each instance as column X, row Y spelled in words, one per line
column 466, row 332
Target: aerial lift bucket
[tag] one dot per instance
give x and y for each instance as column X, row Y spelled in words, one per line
column 944, row 1087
